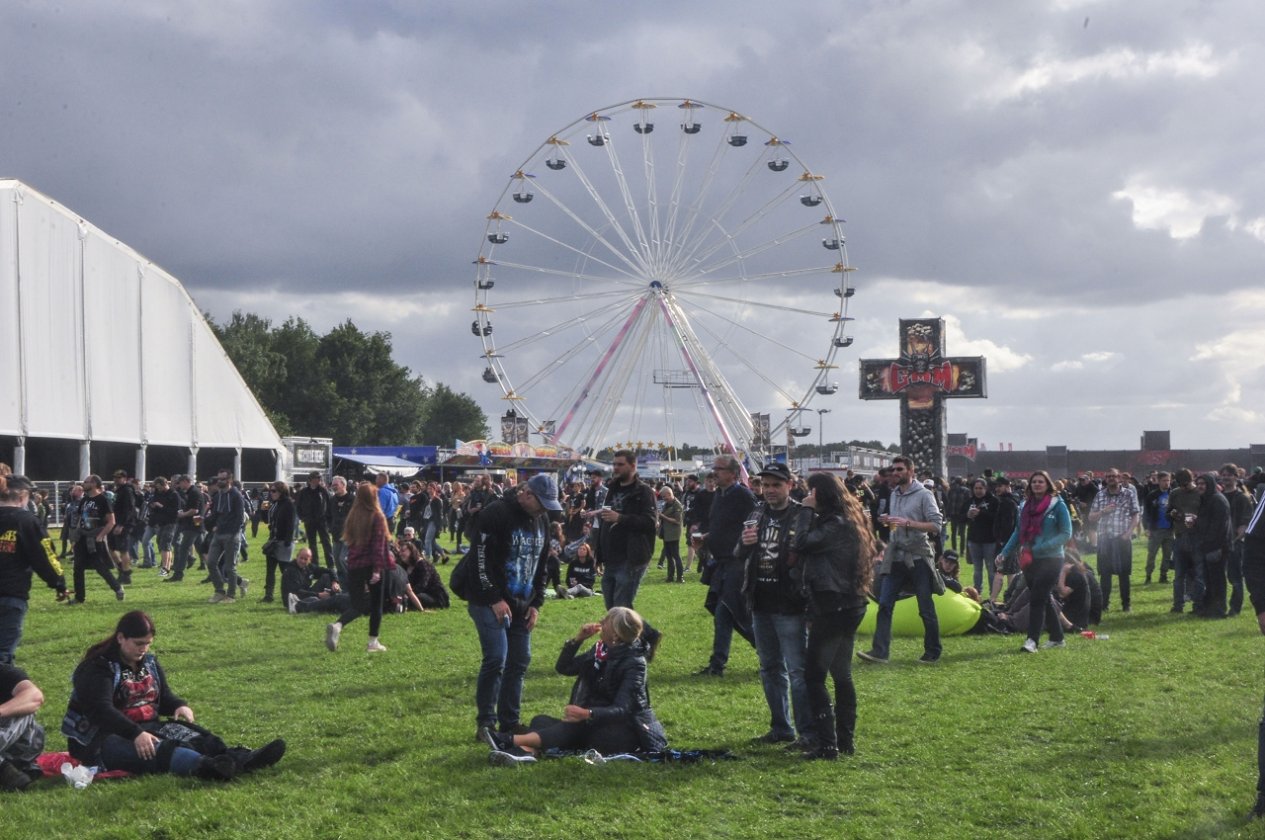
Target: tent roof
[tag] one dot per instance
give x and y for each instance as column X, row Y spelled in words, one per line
column 101, row 344
column 381, row 463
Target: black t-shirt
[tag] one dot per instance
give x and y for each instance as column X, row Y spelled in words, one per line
column 165, row 515
column 771, row 572
column 10, row 676
column 193, row 500
column 92, row 514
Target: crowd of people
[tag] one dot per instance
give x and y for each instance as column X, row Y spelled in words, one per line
column 790, row 564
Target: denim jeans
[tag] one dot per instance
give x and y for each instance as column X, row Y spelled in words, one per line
column 340, row 562
column 726, row 586
column 12, row 615
column 620, row 584
column 1159, row 541
column 619, row 589
column 429, row 546
column 1187, row 572
column 118, row 753
column 224, row 551
column 830, row 643
column 184, row 551
column 984, row 559
column 781, row 642
column 891, row 585
column 506, row 654
column 147, row 545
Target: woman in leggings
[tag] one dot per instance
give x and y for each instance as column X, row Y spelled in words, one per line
column 369, row 558
column 1044, row 528
column 834, row 563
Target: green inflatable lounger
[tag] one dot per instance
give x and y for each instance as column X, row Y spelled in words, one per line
column 957, row 615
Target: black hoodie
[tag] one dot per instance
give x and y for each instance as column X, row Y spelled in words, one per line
column 1213, row 531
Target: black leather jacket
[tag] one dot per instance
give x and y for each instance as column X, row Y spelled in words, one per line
column 615, row 690
column 826, row 557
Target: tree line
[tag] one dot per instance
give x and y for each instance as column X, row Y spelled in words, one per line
column 343, row 385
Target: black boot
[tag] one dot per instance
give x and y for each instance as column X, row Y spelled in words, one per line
column 220, row 767
column 845, row 729
column 827, row 746
column 266, row 756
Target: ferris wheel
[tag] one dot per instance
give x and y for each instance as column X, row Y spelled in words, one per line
column 663, row 270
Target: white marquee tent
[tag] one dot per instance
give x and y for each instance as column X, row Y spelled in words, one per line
column 98, row 344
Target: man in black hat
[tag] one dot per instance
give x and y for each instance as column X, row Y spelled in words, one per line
column 777, row 608
column 24, row 548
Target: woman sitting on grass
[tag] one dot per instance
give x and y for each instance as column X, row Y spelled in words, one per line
column 119, row 696
column 610, row 703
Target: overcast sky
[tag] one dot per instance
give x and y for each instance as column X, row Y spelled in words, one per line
column 1076, row 187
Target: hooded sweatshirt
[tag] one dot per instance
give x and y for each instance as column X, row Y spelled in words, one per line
column 1213, row 531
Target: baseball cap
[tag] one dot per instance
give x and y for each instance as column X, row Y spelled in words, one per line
column 19, row 482
column 545, row 488
column 775, row 470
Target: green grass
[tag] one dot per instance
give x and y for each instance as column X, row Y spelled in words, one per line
column 1149, row 734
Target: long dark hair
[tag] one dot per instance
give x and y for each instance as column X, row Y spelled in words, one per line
column 133, row 625
column 833, row 498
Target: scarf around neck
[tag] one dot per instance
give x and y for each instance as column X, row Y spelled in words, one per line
column 1030, row 522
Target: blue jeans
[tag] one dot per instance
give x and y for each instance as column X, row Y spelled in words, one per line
column 730, row 611
column 118, row 753
column 224, row 551
column 1187, row 570
column 781, row 642
column 184, row 552
column 892, row 584
column 147, row 545
column 12, row 615
column 506, row 654
column 984, row 558
column 429, row 545
column 620, row 584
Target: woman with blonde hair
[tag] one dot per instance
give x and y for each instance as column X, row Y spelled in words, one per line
column 610, row 703
column 369, row 558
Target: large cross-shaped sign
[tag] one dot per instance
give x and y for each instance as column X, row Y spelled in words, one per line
column 922, row 378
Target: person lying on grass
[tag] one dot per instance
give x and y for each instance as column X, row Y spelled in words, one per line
column 610, row 703
column 114, row 719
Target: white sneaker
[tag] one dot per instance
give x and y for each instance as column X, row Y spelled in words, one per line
column 1029, row 646
column 497, row 758
column 332, row 632
column 1052, row 644
column 375, row 646
column 292, row 603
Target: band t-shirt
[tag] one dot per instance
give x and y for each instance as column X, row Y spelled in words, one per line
column 771, row 578
column 92, row 515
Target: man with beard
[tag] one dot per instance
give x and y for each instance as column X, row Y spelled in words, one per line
column 1213, row 536
column 625, row 539
column 777, row 607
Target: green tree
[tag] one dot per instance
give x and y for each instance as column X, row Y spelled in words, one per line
column 451, row 416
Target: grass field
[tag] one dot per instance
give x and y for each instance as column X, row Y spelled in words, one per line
column 1149, row 734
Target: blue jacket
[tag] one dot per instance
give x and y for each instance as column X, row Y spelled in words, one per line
column 1056, row 530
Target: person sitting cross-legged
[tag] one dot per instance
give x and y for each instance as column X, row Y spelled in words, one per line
column 610, row 703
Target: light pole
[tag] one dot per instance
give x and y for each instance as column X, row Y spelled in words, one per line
column 821, row 453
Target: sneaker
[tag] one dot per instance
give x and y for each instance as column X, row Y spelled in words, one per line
column 375, row 646
column 481, row 734
column 498, row 758
column 709, row 671
column 118, row 594
column 162, row 573
column 217, row 598
column 332, row 632
column 242, row 584
column 174, row 579
column 1050, row 645
column 206, row 579
column 928, row 659
column 1029, row 646
column 801, row 744
column 772, row 737
column 292, row 603
column 871, row 657
column 71, row 602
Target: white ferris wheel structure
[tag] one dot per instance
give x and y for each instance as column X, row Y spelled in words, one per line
column 663, row 270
